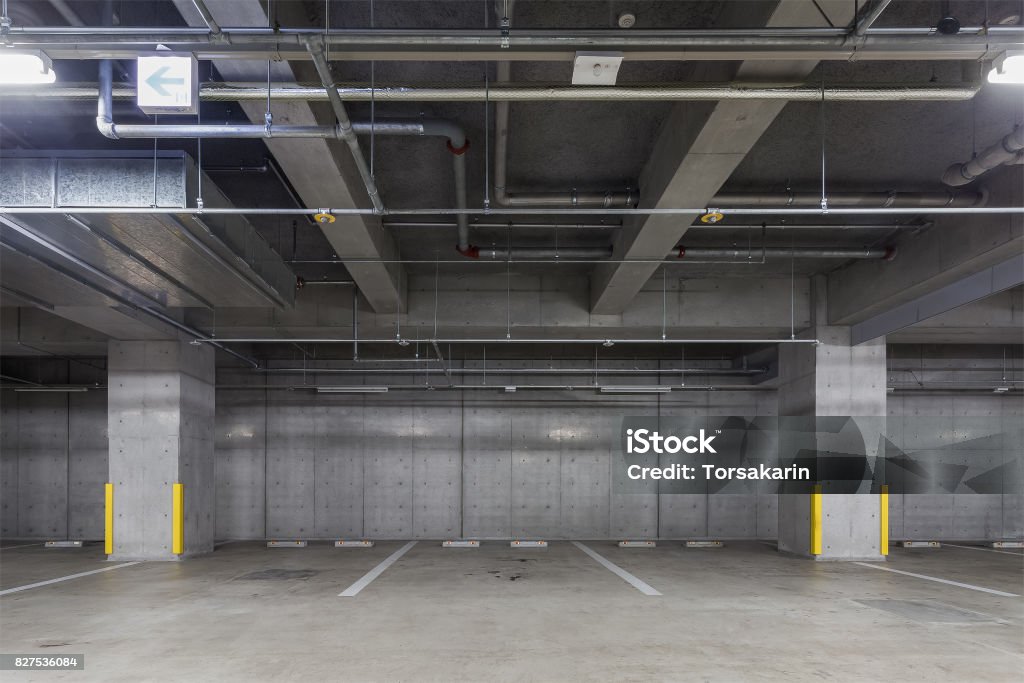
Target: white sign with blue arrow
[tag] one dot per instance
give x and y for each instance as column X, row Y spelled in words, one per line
column 168, row 84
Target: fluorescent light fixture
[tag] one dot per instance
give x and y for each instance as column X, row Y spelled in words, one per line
column 351, row 389
column 1000, row 390
column 54, row 390
column 1010, row 71
column 25, row 68
column 889, row 390
column 511, row 389
column 652, row 389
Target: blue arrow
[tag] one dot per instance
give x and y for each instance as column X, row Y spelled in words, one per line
column 157, row 81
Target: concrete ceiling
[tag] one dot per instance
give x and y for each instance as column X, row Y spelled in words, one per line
column 876, row 146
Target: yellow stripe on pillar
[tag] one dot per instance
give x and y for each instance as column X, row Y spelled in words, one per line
column 108, row 519
column 816, row 520
column 178, row 519
column 884, row 517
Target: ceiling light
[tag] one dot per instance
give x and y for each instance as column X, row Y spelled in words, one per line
column 651, row 389
column 402, row 342
column 608, row 342
column 351, row 389
column 1011, row 71
column 55, row 390
column 1000, row 390
column 511, row 389
column 25, row 68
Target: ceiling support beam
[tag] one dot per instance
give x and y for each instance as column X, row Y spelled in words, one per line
column 699, row 147
column 953, row 251
column 992, row 280
column 322, row 173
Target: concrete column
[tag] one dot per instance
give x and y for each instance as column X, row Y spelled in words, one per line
column 160, row 416
column 834, row 379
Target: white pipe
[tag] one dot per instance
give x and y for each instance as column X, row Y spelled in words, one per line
column 1006, row 151
column 317, row 51
column 520, row 92
column 903, row 44
column 865, row 23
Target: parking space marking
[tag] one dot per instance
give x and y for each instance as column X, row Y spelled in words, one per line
column 988, row 550
column 362, row 583
column 618, row 571
column 938, row 580
column 65, row 578
column 25, row 545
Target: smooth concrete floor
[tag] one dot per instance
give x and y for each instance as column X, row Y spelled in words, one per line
column 738, row 613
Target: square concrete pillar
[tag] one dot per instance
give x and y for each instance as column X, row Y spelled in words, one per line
column 834, row 379
column 160, row 415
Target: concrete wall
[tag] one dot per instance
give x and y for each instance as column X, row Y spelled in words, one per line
column 53, row 455
column 434, row 465
column 961, row 426
column 458, row 464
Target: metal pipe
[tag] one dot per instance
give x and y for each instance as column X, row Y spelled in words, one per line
column 457, row 144
column 736, row 253
column 722, row 372
column 316, row 47
column 501, row 126
column 890, row 199
column 207, row 16
column 784, row 252
column 300, row 283
column 355, row 323
column 665, row 388
column 566, row 253
column 507, row 341
column 915, row 44
column 513, row 225
column 525, row 211
column 869, row 18
column 1007, row 151
column 530, row 92
column 196, row 334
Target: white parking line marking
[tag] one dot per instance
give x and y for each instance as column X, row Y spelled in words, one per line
column 65, row 578
column 988, row 550
column 362, row 583
column 12, row 547
column 937, row 580
column 618, row 571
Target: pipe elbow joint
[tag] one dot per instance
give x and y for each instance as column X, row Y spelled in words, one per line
column 107, row 128
column 457, row 151
column 957, row 176
column 469, row 251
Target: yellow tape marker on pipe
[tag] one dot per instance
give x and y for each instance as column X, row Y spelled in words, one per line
column 108, row 519
column 178, row 519
column 816, row 520
column 884, row 516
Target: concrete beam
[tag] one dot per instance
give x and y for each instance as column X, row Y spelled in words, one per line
column 995, row 319
column 699, row 147
column 322, row 172
column 550, row 306
column 998, row 278
column 951, row 251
